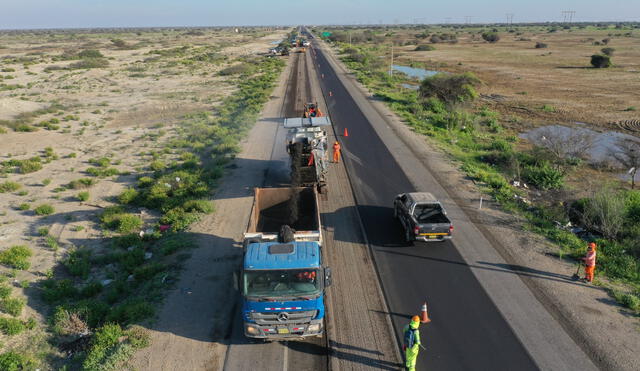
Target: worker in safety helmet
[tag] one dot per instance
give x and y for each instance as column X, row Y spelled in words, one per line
column 336, row 152
column 412, row 343
column 590, row 262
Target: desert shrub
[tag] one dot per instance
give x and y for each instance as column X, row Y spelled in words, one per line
column 100, row 162
column 90, row 290
column 43, row 231
column 11, row 326
column 9, row 186
column 14, row 361
column 116, row 219
column 44, row 209
column 81, row 183
column 16, row 257
column 24, row 206
column 5, row 291
column 131, row 311
column 147, row 271
column 12, row 306
column 90, row 53
column 450, row 88
column 605, row 213
column 52, row 243
column 104, row 341
column 46, row 182
column 202, row 206
column 78, row 263
column 58, row 290
column 491, row 37
column 30, row 166
column 608, row 51
column 424, row 47
column 90, row 63
column 102, row 172
column 540, row 45
column 600, row 61
column 128, row 196
column 69, row 322
column 179, row 219
column 83, row 196
column 544, row 176
column 8, row 69
column 157, row 165
column 236, row 69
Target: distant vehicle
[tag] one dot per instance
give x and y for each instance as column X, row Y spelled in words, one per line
column 422, row 217
column 306, row 43
column 283, row 278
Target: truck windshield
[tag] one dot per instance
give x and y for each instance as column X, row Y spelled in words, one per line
column 289, row 282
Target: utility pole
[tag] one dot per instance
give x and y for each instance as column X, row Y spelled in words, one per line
column 467, row 19
column 510, row 19
column 567, row 15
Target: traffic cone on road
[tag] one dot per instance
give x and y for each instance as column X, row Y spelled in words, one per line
column 331, row 94
column 424, row 316
column 346, row 132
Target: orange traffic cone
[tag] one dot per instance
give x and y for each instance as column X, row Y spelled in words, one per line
column 424, row 316
column 331, row 94
column 346, row 132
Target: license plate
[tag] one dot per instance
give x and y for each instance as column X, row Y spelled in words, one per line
column 283, row 331
column 433, row 237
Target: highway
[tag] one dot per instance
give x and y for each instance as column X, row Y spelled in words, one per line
column 468, row 331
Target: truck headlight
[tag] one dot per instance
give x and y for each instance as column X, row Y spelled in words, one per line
column 252, row 330
column 314, row 327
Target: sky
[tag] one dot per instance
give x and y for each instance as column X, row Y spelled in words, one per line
column 26, row 14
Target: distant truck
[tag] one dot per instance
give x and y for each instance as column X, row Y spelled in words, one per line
column 422, row 217
column 307, row 148
column 283, row 280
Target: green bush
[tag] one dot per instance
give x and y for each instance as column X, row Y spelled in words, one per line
column 90, row 53
column 201, row 206
column 9, row 186
column 544, row 176
column 16, row 257
column 102, row 172
column 491, row 37
column 600, row 61
column 424, row 47
column 81, row 183
column 90, row 63
column 5, row 291
column 128, row 196
column 179, row 219
column 24, row 206
column 52, row 243
column 116, row 219
column 78, row 263
column 30, row 166
column 131, row 311
column 608, row 51
column 11, row 326
column 58, row 290
column 83, row 196
column 103, row 343
column 13, row 361
column 43, row 231
column 157, row 165
column 44, row 209
column 100, row 162
column 450, row 88
column 12, row 306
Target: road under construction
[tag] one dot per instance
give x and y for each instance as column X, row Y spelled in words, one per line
column 481, row 318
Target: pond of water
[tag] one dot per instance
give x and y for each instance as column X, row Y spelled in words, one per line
column 414, row 73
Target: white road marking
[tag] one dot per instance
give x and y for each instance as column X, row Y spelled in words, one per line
column 285, row 360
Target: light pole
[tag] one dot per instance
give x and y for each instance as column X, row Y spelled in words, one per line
column 391, row 65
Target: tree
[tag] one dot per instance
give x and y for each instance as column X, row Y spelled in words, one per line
column 628, row 155
column 564, row 145
column 600, row 61
column 491, row 37
column 450, row 88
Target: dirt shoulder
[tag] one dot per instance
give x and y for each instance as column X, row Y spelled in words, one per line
column 606, row 332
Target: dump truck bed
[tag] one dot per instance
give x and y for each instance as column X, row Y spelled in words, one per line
column 275, row 207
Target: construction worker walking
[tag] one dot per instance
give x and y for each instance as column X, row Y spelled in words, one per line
column 590, row 262
column 412, row 343
column 336, row 152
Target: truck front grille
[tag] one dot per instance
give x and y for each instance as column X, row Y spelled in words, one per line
column 272, row 318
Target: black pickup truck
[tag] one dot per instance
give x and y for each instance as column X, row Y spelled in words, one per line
column 422, row 217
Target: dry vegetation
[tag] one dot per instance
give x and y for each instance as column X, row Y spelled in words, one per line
column 104, row 136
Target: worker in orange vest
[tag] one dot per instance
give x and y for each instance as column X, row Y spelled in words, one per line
column 336, row 152
column 590, row 262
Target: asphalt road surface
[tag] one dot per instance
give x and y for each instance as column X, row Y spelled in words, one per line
column 469, row 332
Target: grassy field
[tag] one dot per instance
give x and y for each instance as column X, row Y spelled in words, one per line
column 490, row 93
column 112, row 144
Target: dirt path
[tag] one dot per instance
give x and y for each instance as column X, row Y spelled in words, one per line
column 196, row 317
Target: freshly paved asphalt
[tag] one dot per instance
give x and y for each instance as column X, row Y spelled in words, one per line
column 467, row 331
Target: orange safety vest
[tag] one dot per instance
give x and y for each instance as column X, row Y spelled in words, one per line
column 336, row 147
column 590, row 259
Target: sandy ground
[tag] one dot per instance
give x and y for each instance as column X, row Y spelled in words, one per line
column 606, row 331
column 123, row 112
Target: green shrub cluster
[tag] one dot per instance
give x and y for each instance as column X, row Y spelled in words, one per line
column 16, row 257
column 44, row 209
column 12, row 306
column 115, row 218
column 14, row 361
column 9, row 186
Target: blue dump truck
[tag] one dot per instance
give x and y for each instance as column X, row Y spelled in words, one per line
column 283, row 278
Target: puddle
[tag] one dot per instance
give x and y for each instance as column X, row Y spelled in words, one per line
column 414, row 73
column 604, row 144
column 409, row 86
column 276, row 42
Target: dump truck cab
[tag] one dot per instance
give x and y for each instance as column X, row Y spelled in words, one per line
column 283, row 286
